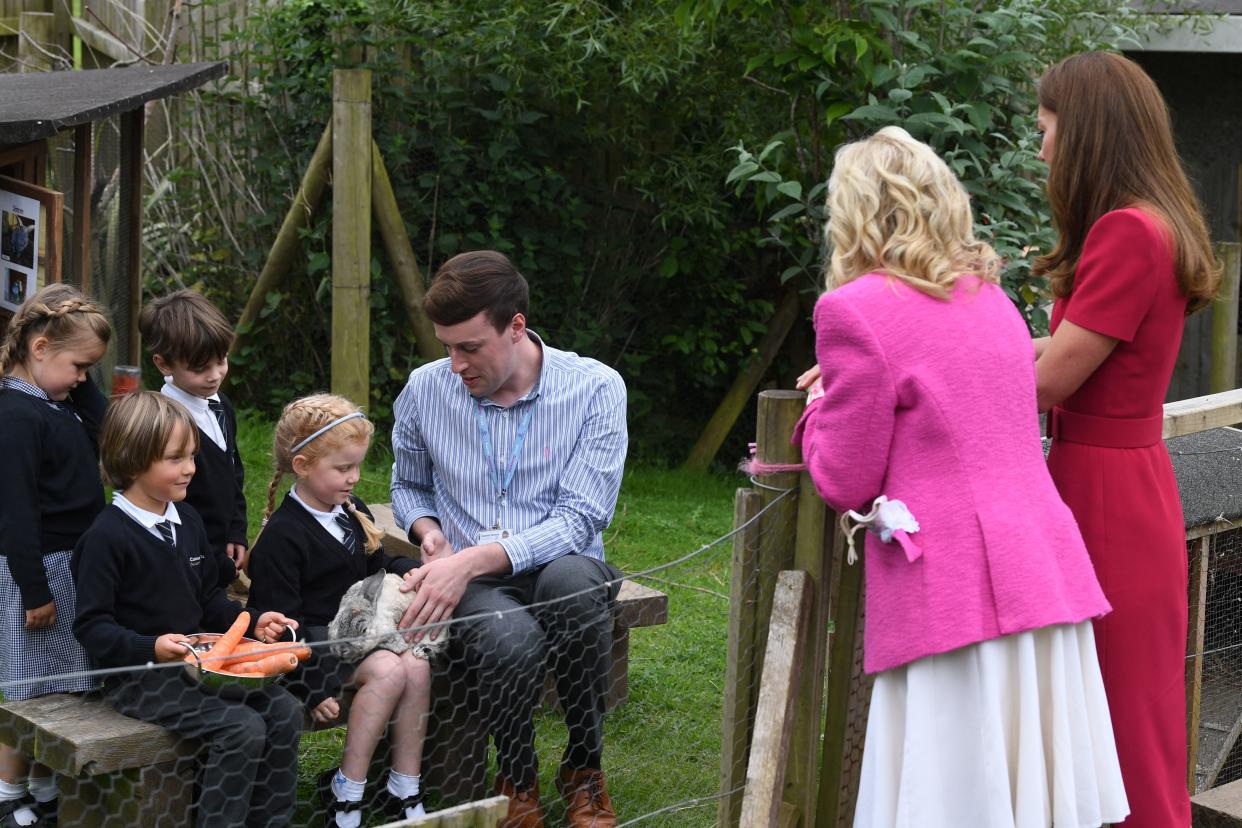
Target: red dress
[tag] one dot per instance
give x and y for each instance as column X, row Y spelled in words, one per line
column 1110, row 465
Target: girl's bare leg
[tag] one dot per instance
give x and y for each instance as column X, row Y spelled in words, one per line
column 380, row 680
column 409, row 722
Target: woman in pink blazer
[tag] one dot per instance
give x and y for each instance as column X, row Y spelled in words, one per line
column 988, row 707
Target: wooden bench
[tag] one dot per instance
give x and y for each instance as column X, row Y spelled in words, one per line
column 116, row 772
column 1218, row 808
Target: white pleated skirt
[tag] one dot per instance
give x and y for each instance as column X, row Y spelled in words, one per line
column 1008, row 733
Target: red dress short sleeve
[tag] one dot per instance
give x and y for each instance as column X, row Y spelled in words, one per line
column 1117, row 275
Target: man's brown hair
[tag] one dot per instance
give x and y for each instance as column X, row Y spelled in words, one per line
column 1114, row 149
column 185, row 329
column 135, row 435
column 481, row 281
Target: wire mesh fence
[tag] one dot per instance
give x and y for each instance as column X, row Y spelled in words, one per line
column 497, row 691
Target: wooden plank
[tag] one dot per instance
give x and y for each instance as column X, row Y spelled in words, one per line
column 10, row 26
column 351, row 235
column 1224, row 364
column 130, row 205
column 1199, row 559
column 848, row 695
column 98, row 38
column 401, row 257
column 77, row 736
column 813, row 555
column 83, row 180
column 739, row 691
column 484, row 812
column 774, row 715
column 1202, row 413
column 1218, row 808
column 35, row 38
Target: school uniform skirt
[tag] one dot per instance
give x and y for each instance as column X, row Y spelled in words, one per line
column 1009, row 733
column 51, row 653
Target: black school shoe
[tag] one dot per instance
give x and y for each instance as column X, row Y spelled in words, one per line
column 45, row 812
column 390, row 807
column 331, row 805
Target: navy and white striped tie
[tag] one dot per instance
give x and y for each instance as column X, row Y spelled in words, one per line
column 347, row 526
column 165, row 528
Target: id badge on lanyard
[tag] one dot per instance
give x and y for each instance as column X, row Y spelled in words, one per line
column 499, row 532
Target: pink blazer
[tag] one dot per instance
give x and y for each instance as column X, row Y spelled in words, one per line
column 933, row 403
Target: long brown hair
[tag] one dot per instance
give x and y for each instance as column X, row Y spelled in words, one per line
column 1114, row 149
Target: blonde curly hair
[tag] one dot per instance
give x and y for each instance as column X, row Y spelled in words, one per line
column 302, row 418
column 895, row 207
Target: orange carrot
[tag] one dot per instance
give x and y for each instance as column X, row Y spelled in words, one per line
column 272, row 665
column 228, row 642
column 256, row 652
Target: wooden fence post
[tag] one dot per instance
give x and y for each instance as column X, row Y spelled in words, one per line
column 36, row 31
column 351, row 234
column 778, row 414
column 1200, row 551
column 130, row 216
column 1224, row 370
column 762, row 807
column 740, row 691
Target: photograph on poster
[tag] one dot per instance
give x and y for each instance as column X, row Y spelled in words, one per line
column 16, row 287
column 17, row 238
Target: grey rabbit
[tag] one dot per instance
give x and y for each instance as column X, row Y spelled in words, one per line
column 373, row 608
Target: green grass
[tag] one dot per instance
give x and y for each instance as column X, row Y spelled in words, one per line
column 663, row 746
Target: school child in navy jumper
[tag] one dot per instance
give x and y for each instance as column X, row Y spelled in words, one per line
column 50, row 413
column 313, row 548
column 189, row 340
column 147, row 578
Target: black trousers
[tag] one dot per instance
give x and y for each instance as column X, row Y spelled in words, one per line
column 507, row 655
column 251, row 743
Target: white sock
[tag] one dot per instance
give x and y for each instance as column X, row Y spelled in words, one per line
column 12, row 790
column 401, row 786
column 347, row 790
column 43, row 788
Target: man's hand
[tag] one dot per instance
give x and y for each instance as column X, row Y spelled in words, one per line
column 271, row 626
column 237, row 554
column 171, row 647
column 435, row 546
column 326, row 711
column 40, row 617
column 440, row 585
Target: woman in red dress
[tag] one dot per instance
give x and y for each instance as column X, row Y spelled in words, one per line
column 1133, row 259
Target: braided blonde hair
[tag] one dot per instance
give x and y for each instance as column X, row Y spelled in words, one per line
column 59, row 312
column 895, row 207
column 302, row 418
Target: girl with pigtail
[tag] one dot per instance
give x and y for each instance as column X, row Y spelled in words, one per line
column 50, row 492
column 319, row 542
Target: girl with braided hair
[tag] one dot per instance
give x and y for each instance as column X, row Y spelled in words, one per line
column 311, row 550
column 50, row 493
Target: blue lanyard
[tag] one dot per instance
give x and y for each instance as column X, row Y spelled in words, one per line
column 502, row 486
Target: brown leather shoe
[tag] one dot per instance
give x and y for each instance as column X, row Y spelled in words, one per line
column 586, row 799
column 524, row 808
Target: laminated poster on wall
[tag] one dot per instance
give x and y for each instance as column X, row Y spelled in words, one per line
column 19, row 246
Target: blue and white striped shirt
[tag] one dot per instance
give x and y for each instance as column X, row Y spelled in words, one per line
column 564, row 489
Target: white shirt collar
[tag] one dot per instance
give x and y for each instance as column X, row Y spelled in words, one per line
column 190, row 401
column 147, row 519
column 324, row 516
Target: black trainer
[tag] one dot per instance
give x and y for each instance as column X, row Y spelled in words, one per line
column 331, row 805
column 390, row 807
column 45, row 812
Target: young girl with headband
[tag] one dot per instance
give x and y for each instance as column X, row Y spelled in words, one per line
column 313, row 548
column 49, row 493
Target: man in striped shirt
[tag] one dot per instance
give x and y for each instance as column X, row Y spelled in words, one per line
column 507, row 461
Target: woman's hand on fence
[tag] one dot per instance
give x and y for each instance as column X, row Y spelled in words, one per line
column 807, row 378
column 40, row 617
column 171, row 647
column 326, row 711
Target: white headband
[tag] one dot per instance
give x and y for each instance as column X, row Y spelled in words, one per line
column 328, row 427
